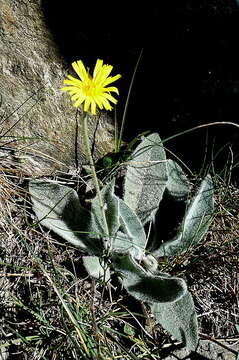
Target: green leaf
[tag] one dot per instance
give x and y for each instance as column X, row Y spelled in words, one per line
column 195, row 223
column 146, row 178
column 177, row 185
column 107, row 162
column 143, row 285
column 129, row 330
column 131, row 238
column 96, row 268
column 58, row 208
column 111, row 203
column 179, row 319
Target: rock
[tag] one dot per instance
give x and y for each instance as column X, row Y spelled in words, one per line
column 37, row 120
column 207, row 350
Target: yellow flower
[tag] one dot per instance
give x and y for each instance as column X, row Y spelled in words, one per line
column 92, row 91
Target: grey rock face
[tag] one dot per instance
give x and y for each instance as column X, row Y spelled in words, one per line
column 37, row 120
column 207, row 350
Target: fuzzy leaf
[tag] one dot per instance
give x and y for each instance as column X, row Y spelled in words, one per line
column 177, row 185
column 179, row 319
column 111, row 203
column 58, row 208
column 96, row 268
column 195, row 222
column 145, row 286
column 146, row 178
column 131, row 239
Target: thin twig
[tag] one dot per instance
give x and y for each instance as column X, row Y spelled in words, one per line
column 205, row 337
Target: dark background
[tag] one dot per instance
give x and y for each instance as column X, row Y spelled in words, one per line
column 188, row 74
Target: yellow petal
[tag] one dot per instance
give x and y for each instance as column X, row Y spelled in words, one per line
column 69, row 88
column 78, row 102
column 77, row 96
column 79, row 68
column 101, row 78
column 98, row 102
column 87, row 104
column 111, row 79
column 72, row 78
column 104, row 73
column 106, row 104
column 93, row 107
column 98, row 66
column 110, row 98
column 73, row 81
column 64, row 88
column 111, row 89
column 72, row 92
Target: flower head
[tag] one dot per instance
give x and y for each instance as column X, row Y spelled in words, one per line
column 92, row 90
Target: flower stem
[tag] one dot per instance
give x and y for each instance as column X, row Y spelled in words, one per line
column 93, row 172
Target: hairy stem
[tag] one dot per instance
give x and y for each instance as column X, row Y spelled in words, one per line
column 93, row 172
